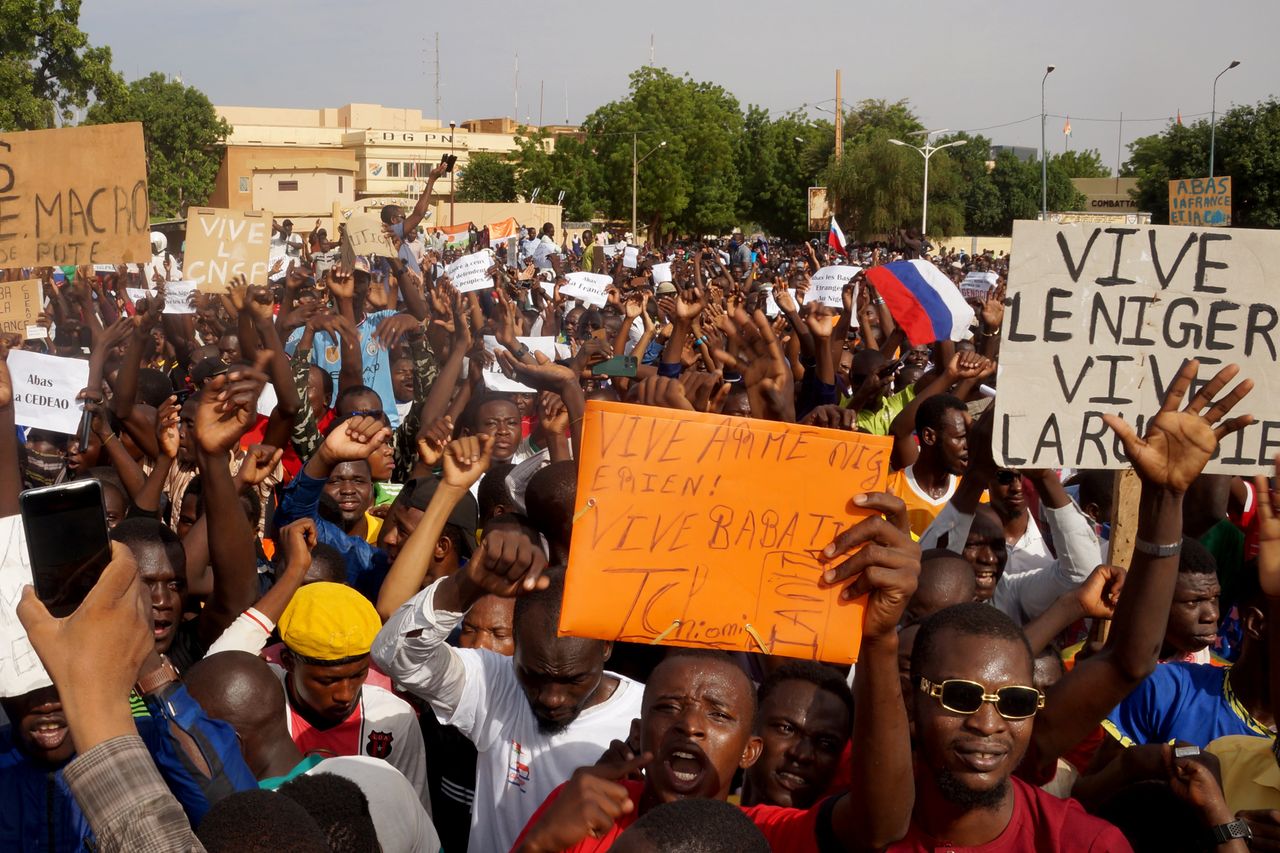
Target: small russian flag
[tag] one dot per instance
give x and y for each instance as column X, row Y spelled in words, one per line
column 923, row 301
column 835, row 237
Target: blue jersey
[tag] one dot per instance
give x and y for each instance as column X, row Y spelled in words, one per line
column 1192, row 702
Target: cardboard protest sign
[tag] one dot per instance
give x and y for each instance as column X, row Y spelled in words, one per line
column 74, row 195
column 1099, row 319
column 20, row 303
column 137, row 294
column 591, row 288
column 827, row 285
column 364, row 230
column 470, row 272
column 977, row 285
column 45, row 389
column 1200, row 201
column 675, row 541
column 496, row 380
column 179, row 297
column 222, row 244
column 20, row 668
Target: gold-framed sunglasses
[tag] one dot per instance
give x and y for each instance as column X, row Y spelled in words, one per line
column 965, row 697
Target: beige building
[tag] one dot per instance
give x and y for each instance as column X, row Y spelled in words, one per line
column 297, row 162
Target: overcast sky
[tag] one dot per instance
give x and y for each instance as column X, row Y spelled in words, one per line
column 968, row 65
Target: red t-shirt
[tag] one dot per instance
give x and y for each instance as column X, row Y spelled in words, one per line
column 785, row 829
column 1040, row 822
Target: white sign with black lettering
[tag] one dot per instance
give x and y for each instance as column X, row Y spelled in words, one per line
column 45, row 389
column 20, row 669
column 977, row 284
column 470, row 272
column 496, row 380
column 827, row 285
column 180, row 297
column 590, row 287
column 1099, row 320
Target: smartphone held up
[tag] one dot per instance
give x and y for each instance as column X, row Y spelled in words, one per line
column 67, row 541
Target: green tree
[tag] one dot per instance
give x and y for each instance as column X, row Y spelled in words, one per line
column 1018, row 184
column 487, row 177
column 184, row 136
column 565, row 168
column 1246, row 147
column 775, row 174
column 48, row 69
column 692, row 184
column 983, row 208
column 1082, row 164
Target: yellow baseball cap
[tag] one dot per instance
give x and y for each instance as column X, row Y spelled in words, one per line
column 328, row 622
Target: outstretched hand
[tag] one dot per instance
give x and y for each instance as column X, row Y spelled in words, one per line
column 1179, row 443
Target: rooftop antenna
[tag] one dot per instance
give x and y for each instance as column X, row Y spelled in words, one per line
column 651, row 48
column 515, row 109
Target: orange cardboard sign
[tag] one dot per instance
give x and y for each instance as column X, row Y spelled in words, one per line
column 706, row 531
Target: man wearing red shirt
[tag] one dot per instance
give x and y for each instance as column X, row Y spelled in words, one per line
column 698, row 719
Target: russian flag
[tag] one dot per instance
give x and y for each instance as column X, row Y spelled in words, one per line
column 835, row 237
column 923, row 301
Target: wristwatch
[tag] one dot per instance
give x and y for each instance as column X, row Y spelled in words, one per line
column 164, row 674
column 1224, row 832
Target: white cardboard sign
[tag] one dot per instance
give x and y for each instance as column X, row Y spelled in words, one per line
column 179, row 297
column 661, row 273
column 20, row 669
column 468, row 273
column 45, row 389
column 591, row 288
column 1099, row 319
column 827, row 285
column 977, row 284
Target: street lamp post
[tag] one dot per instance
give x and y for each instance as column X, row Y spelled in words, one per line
column 453, row 177
column 1044, row 164
column 926, row 152
column 1213, row 112
column 635, row 171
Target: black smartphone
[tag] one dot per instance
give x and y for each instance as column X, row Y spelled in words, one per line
column 619, row 365
column 67, row 540
column 453, row 160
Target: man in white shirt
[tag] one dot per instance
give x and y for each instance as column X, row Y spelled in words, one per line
column 535, row 717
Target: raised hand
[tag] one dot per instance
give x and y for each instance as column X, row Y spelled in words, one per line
column 300, row 538
column 1100, row 592
column 887, row 570
column 689, row 304
column 832, row 417
column 393, row 329
column 340, row 283
column 260, row 304
column 705, row 391
column 553, row 417
column 167, row 434
column 661, row 391
column 467, row 459
column 258, row 463
column 1268, row 496
column 546, row 375
column 993, row 307
column 506, row 564
column 1178, row 444
column 431, row 443
column 356, row 438
column 227, row 405
column 821, row 321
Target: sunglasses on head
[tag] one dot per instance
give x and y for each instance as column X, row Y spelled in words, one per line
column 1006, row 478
column 966, row 697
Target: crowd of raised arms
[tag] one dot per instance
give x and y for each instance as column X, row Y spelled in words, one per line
column 330, row 622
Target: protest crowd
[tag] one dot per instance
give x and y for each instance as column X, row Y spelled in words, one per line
column 369, row 509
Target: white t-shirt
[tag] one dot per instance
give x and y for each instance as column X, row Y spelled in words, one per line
column 518, row 766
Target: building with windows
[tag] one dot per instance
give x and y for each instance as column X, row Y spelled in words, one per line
column 297, row 162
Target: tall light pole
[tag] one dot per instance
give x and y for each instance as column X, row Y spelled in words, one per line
column 1213, row 112
column 1044, row 164
column 453, row 177
column 926, row 152
column 635, row 171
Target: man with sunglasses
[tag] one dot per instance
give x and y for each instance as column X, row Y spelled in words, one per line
column 978, row 719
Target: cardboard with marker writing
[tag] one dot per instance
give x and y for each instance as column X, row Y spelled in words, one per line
column 222, row 244
column 706, row 531
column 74, row 195
column 1099, row 320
